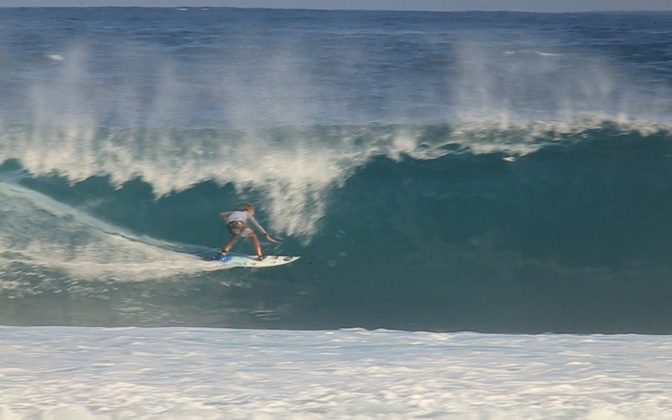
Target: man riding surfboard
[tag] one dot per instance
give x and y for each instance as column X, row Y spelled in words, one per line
column 237, row 225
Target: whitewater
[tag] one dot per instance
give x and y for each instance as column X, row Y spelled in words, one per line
column 482, row 203
column 211, row 374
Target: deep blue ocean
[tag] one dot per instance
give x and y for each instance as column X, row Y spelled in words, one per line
column 491, row 172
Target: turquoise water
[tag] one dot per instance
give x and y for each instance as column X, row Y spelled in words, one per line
column 495, row 172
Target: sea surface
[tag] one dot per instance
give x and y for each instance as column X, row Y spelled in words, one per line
column 484, row 193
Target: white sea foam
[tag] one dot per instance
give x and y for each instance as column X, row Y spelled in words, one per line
column 55, row 57
column 218, row 373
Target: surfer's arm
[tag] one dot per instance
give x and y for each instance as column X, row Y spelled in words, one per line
column 260, row 228
column 256, row 224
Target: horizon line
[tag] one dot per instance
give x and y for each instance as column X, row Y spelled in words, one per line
column 669, row 10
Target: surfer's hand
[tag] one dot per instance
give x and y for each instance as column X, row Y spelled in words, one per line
column 271, row 240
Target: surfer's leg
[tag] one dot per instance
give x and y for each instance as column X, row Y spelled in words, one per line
column 229, row 245
column 257, row 247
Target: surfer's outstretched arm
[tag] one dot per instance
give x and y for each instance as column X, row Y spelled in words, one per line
column 261, row 229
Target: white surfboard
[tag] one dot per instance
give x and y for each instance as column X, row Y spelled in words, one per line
column 250, row 261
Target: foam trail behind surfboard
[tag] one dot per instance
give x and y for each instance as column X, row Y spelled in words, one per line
column 40, row 232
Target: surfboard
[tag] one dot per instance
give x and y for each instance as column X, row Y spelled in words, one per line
column 250, row 261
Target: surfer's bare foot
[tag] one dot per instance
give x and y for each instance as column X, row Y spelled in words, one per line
column 261, row 257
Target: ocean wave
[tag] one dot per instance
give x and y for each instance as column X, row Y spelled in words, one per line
column 453, row 239
column 294, row 169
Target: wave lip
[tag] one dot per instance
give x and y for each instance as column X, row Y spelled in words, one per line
column 294, row 169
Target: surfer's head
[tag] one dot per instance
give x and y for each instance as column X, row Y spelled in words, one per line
column 249, row 208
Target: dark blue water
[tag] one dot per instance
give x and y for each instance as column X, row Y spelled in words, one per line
column 503, row 172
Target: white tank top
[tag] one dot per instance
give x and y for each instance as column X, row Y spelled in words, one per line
column 237, row 216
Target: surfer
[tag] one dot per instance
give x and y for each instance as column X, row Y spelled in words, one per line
column 236, row 224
